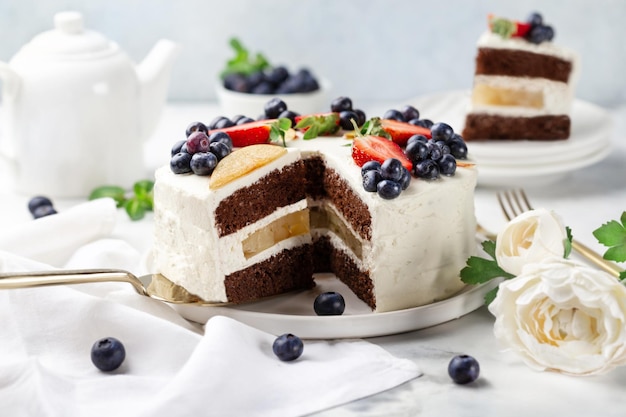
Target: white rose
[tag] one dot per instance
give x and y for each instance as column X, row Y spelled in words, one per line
column 563, row 316
column 528, row 238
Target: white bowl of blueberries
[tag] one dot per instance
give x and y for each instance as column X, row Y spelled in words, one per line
column 249, row 81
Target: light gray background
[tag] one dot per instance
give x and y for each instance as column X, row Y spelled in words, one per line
column 371, row 50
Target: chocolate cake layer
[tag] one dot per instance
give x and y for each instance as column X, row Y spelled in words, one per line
column 289, row 270
column 314, row 178
column 484, row 126
column 348, row 203
column 328, row 259
column 250, row 204
column 516, row 63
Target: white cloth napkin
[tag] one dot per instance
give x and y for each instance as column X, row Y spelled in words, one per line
column 172, row 367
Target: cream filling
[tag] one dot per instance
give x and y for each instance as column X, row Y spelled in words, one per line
column 293, row 224
column 523, row 97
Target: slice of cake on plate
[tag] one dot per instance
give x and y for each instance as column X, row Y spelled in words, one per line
column 523, row 83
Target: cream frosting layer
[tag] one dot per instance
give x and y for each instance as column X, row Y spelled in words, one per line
column 420, row 240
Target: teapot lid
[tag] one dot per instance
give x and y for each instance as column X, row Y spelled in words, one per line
column 69, row 37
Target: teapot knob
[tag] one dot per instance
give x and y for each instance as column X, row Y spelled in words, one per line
column 69, row 22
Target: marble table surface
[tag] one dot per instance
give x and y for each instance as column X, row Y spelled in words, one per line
column 585, row 199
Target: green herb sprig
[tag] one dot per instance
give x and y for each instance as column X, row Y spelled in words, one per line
column 243, row 62
column 278, row 131
column 136, row 202
column 613, row 235
column 318, row 125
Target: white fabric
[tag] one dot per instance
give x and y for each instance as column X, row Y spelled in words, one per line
column 172, row 367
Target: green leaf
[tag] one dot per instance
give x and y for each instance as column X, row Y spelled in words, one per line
column 135, row 208
column 491, row 295
column 480, row 270
column 312, row 132
column 374, row 127
column 568, row 242
column 503, row 27
column 305, row 122
column 116, row 193
column 284, row 123
column 243, row 62
column 622, row 276
column 613, row 235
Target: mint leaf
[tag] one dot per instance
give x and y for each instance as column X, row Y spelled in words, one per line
column 136, row 208
column 491, row 295
column 243, row 62
column 503, row 27
column 116, row 193
column 613, row 235
column 374, row 127
column 568, row 242
column 312, row 132
column 480, row 270
column 279, row 129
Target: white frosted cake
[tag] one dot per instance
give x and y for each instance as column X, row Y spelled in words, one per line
column 306, row 211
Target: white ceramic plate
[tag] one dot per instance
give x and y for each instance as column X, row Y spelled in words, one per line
column 506, row 162
column 293, row 313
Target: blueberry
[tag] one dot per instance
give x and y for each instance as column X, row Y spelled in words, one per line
column 361, row 118
column 434, row 150
column 235, row 119
column 420, row 123
column 371, row 179
column 340, row 104
column 179, row 163
column 264, row 88
column 288, row 114
column 535, row 19
column 292, row 85
column 277, row 75
column 236, row 82
column 417, row 150
column 255, row 79
column 405, row 180
column 195, row 127
column 394, row 114
column 427, row 169
column 370, row 165
column 215, row 121
column 427, row 123
column 178, row 146
column 388, row 189
column 223, row 123
column 288, row 347
column 391, row 169
column 108, row 354
column 307, row 81
column 441, row 131
column 274, row 107
column 197, row 142
column 244, row 120
column 38, row 201
column 463, row 369
column 445, row 149
column 420, row 138
column 447, row 165
column 541, row 33
column 219, row 149
column 345, row 119
column 203, row 163
column 329, row 304
column 458, row 148
column 410, row 113
column 43, row 211
column 221, row 137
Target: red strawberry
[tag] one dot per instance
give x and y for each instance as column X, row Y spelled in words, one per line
column 521, row 29
column 377, row 148
column 400, row 132
column 246, row 134
column 507, row 27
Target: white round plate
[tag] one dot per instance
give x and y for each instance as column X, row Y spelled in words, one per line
column 526, row 162
column 293, row 313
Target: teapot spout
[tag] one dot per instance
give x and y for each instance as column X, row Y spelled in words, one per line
column 11, row 80
column 154, row 76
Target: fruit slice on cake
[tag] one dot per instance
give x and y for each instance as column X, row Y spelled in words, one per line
column 243, row 161
column 376, row 148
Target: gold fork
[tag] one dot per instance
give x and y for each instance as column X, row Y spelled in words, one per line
column 515, row 202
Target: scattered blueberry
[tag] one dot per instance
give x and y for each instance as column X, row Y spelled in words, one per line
column 463, row 369
column 264, row 88
column 458, row 148
column 288, row 347
column 203, row 163
column 180, row 163
column 541, row 33
column 108, row 354
column 340, row 104
column 427, row 123
column 388, row 189
column 535, row 19
column 329, row 304
column 435, row 152
column 196, row 127
column 43, row 211
column 38, row 201
column 274, row 107
column 224, row 123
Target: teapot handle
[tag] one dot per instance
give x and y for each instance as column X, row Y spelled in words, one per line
column 11, row 81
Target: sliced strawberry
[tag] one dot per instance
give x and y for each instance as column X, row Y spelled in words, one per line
column 400, row 132
column 377, row 148
column 521, row 29
column 507, row 27
column 246, row 134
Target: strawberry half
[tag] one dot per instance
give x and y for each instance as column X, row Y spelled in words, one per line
column 400, row 132
column 377, row 148
column 508, row 28
column 247, row 134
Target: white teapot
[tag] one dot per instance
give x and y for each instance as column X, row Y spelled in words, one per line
column 76, row 110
